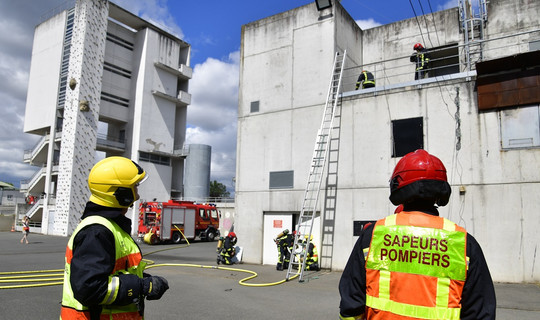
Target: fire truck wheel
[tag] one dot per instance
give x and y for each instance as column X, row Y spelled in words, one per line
column 176, row 237
column 210, row 235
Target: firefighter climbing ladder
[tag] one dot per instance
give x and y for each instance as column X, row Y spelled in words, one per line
column 304, row 225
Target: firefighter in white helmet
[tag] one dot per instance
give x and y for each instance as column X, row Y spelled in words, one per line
column 103, row 265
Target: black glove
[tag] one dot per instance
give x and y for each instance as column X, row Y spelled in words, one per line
column 154, row 287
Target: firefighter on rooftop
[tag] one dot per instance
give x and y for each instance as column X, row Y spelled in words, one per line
column 421, row 57
column 415, row 264
column 366, row 80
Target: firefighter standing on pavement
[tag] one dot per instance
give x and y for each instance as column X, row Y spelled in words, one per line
column 421, row 58
column 284, row 242
column 103, row 265
column 366, row 80
column 228, row 251
column 415, row 264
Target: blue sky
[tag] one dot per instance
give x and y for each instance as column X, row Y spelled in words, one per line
column 211, row 27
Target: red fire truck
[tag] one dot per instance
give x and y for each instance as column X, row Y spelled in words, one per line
column 160, row 221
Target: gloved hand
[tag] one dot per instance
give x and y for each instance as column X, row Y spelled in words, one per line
column 154, row 287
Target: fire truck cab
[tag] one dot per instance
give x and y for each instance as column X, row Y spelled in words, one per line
column 163, row 221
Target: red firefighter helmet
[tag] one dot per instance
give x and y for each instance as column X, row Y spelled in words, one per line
column 419, row 176
column 418, row 46
column 231, row 235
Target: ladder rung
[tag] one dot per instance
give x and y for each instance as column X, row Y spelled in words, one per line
column 318, row 160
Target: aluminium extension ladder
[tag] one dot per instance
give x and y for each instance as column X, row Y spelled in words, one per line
column 304, row 225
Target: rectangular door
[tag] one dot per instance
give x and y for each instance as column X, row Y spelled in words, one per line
column 274, row 223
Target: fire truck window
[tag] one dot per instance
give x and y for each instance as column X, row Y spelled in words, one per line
column 214, row 214
column 202, row 213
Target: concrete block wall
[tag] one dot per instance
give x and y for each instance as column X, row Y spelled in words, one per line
column 79, row 133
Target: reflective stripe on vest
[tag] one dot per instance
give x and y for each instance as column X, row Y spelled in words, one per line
column 367, row 79
column 416, row 267
column 423, row 61
column 128, row 260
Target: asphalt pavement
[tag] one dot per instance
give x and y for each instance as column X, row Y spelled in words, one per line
column 200, row 290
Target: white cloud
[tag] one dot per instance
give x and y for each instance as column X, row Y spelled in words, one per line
column 19, row 18
column 449, row 4
column 212, row 114
column 367, row 24
column 153, row 11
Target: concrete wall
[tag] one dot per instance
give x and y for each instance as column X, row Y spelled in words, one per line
column 43, row 82
column 507, row 18
column 499, row 185
column 386, row 49
column 497, row 203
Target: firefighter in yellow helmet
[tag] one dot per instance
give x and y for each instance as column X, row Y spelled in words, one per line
column 312, row 255
column 103, row 265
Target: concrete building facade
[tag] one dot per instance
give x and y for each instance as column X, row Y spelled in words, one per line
column 103, row 81
column 477, row 110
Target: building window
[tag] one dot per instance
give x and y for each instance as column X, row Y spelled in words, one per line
column 443, row 60
column 282, row 179
column 119, row 41
column 114, row 99
column 520, row 127
column 202, row 214
column 508, row 82
column 117, row 70
column 10, row 197
column 534, row 45
column 408, row 136
column 154, row 158
column 254, row 106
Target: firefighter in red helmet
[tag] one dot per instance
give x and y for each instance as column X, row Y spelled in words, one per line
column 421, row 57
column 228, row 252
column 415, row 264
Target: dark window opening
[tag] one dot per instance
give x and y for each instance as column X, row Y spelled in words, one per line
column 119, row 41
column 114, row 99
column 408, row 136
column 443, row 60
column 254, row 106
column 154, row 158
column 281, row 179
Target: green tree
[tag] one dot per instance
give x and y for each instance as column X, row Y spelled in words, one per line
column 218, row 190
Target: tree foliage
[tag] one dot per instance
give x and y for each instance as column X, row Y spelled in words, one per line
column 218, row 190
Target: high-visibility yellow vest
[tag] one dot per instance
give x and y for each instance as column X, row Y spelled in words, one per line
column 416, row 268
column 128, row 260
column 423, row 61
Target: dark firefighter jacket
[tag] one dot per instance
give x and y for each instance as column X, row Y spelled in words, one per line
column 478, row 298
column 421, row 58
column 286, row 241
column 228, row 248
column 366, row 80
column 94, row 259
